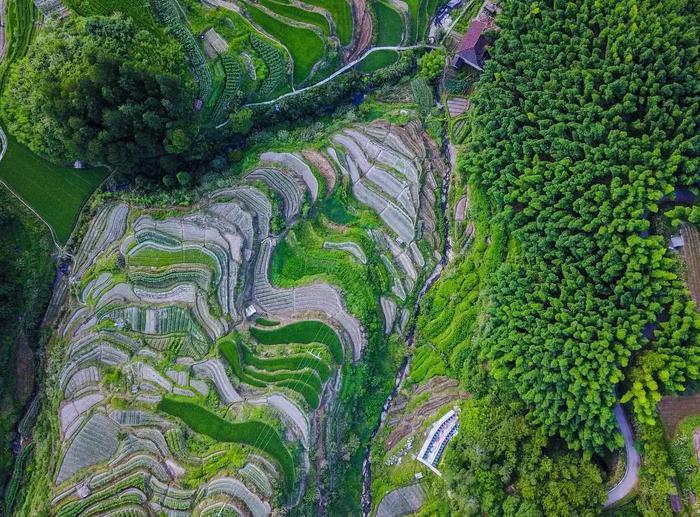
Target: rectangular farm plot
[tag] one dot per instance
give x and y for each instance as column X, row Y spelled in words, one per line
column 57, row 193
column 691, row 256
column 154, row 257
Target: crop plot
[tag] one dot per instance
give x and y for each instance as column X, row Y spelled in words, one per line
column 304, row 45
column 161, row 368
column 41, row 183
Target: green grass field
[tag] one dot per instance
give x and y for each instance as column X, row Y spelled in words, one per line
column 256, row 434
column 390, row 27
column 57, row 193
column 302, row 332
column 300, row 15
column 341, row 12
column 377, row 60
column 304, row 45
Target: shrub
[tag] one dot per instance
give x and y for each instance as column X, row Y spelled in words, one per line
column 184, row 178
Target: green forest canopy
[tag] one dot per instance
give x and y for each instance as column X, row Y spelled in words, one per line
column 585, row 120
column 120, row 101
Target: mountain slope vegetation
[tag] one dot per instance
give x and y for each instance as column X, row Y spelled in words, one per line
column 120, row 100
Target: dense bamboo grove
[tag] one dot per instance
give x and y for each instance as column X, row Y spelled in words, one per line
column 585, row 125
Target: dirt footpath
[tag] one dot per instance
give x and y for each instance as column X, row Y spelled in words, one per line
column 362, row 23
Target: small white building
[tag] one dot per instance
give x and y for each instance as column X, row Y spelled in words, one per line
column 250, row 311
column 439, row 436
column 676, row 242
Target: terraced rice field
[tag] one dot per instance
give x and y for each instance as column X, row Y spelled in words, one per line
column 420, row 13
column 390, row 25
column 298, row 14
column 56, row 193
column 19, row 27
column 304, row 45
column 341, row 12
column 302, row 332
column 159, row 370
column 221, row 430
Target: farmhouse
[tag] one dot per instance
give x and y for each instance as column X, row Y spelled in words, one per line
column 439, row 436
column 472, row 48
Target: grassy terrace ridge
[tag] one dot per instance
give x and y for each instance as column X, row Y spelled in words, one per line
column 297, row 14
column 205, row 422
column 305, row 46
column 56, row 192
column 341, row 12
column 306, row 384
column 302, row 332
column 264, row 322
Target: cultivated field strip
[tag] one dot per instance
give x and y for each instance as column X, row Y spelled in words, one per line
column 162, row 369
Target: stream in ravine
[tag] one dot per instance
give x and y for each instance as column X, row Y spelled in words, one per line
column 405, row 364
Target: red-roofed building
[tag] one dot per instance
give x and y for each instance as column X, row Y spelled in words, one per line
column 472, row 48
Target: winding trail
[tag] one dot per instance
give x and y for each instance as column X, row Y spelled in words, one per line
column 335, row 74
column 631, row 478
column 340, row 71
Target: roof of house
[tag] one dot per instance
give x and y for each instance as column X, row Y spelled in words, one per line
column 471, row 38
column 473, row 45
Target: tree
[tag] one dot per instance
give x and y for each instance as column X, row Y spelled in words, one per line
column 241, row 121
column 178, row 141
column 431, row 65
column 169, row 180
column 184, row 179
column 497, row 464
column 584, row 118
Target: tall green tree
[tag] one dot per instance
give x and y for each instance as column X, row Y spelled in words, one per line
column 585, row 122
